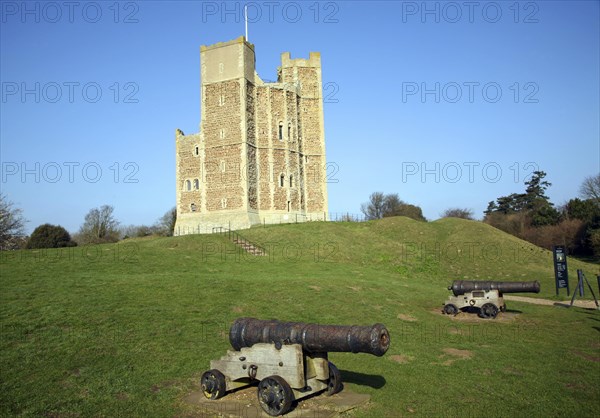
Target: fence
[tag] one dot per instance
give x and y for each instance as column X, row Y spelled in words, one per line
column 283, row 219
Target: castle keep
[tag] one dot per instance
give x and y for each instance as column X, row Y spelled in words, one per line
column 260, row 154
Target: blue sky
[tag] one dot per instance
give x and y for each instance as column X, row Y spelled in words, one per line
column 448, row 104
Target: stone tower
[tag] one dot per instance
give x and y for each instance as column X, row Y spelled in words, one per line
column 260, row 154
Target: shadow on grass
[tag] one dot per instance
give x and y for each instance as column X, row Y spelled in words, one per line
column 515, row 311
column 372, row 380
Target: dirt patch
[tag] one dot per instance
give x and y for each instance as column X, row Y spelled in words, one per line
column 158, row 386
column 401, row 358
column 243, row 403
column 585, row 356
column 121, row 396
column 237, row 309
column 472, row 317
column 453, row 354
column 407, row 318
column 512, row 371
column 317, row 288
column 355, row 288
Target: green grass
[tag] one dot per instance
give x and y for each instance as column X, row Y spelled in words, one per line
column 127, row 329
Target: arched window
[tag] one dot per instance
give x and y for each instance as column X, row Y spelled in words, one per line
column 188, row 185
column 196, row 184
column 281, row 180
column 193, row 207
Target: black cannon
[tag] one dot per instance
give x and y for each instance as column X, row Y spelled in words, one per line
column 460, row 287
column 288, row 359
column 484, row 296
column 314, row 338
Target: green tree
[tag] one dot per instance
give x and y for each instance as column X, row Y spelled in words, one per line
column 50, row 236
column 537, row 203
column 410, row 211
column 533, row 202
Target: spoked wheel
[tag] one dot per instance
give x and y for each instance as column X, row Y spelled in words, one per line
column 213, row 384
column 275, row 395
column 334, row 384
column 488, row 310
column 450, row 309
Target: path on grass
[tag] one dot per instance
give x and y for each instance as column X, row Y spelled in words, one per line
column 578, row 303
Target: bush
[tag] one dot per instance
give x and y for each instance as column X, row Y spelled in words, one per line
column 458, row 213
column 50, row 236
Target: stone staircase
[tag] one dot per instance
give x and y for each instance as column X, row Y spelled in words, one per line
column 241, row 242
column 249, row 247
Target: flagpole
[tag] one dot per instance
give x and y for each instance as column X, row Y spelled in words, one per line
column 246, row 20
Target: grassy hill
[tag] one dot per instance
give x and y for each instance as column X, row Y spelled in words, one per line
column 127, row 329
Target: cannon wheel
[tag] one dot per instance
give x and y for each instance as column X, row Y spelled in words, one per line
column 488, row 310
column 275, row 396
column 450, row 309
column 334, row 384
column 213, row 384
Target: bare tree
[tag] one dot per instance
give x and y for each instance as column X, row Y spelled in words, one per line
column 381, row 206
column 590, row 188
column 458, row 213
column 12, row 225
column 374, row 208
column 166, row 224
column 99, row 226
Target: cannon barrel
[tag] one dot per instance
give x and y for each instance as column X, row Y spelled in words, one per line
column 314, row 338
column 460, row 287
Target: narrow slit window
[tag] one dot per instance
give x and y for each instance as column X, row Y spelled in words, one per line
column 291, row 181
column 193, row 207
column 196, row 184
column 290, row 132
column 281, row 180
column 197, row 150
column 280, row 131
column 188, row 185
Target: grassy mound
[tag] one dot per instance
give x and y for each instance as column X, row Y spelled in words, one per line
column 127, row 329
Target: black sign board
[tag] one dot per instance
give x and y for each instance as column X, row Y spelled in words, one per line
column 561, row 274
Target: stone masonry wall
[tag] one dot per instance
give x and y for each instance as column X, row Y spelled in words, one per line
column 261, row 152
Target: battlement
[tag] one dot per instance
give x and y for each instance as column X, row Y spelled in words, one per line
column 314, row 60
column 238, row 40
column 227, row 61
